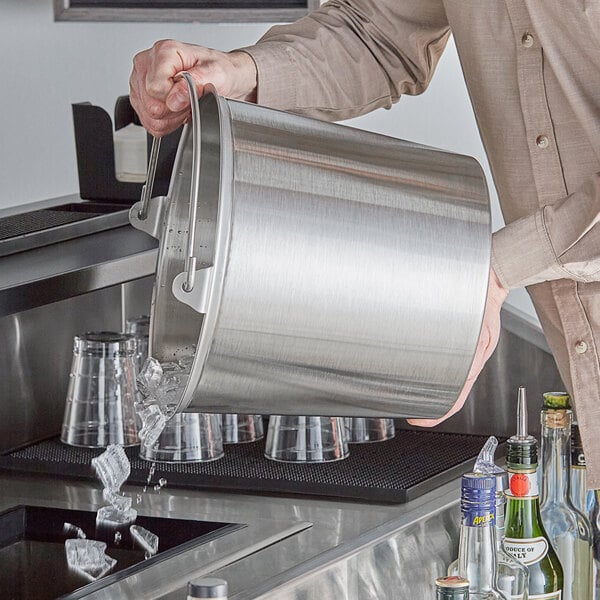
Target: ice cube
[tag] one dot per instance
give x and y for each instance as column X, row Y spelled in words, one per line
column 185, row 362
column 171, row 388
column 88, row 558
column 153, row 423
column 111, row 517
column 120, row 502
column 73, row 531
column 149, row 377
column 112, row 467
column 170, row 367
column 145, row 539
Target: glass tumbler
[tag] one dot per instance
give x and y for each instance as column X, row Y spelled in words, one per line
column 360, row 430
column 306, row 439
column 187, row 438
column 241, row 429
column 139, row 328
column 99, row 409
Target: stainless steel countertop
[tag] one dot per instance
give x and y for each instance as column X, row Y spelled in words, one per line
column 285, row 537
column 73, row 267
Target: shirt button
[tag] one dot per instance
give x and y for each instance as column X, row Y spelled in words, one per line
column 542, row 141
column 527, row 40
column 580, row 347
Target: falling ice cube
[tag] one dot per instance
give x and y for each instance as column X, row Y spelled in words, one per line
column 112, row 467
column 72, row 531
column 120, row 502
column 153, row 423
column 150, row 376
column 145, row 539
column 88, row 558
column 109, row 517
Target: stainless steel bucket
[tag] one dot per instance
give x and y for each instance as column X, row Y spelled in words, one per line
column 337, row 271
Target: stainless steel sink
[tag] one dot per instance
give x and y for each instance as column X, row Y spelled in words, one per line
column 33, row 563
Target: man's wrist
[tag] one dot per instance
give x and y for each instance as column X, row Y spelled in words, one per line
column 246, row 76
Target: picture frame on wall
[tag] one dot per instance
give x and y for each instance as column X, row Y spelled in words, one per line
column 201, row 11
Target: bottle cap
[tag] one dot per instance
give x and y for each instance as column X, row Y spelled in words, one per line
column 553, row 418
column 477, row 488
column 452, row 582
column 560, row 400
column 208, row 587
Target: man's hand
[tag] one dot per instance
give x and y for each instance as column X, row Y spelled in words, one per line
column 488, row 339
column 162, row 103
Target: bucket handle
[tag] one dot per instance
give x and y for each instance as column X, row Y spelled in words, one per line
column 147, row 187
column 190, row 260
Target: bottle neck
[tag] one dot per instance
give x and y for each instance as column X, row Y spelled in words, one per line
column 556, row 458
column 523, row 506
column 579, row 488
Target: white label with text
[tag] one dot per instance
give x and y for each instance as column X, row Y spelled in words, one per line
column 528, row 550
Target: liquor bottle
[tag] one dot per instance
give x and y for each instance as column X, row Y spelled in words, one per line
column 584, row 500
column 568, row 529
column 451, row 588
column 477, row 543
column 525, row 537
column 512, row 577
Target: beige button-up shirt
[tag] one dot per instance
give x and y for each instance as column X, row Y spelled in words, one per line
column 532, row 68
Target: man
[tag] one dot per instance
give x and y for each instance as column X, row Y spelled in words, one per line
column 533, row 72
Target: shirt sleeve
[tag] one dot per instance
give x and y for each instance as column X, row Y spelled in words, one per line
column 558, row 241
column 350, row 56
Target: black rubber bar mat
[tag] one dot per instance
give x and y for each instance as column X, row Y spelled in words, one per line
column 37, row 220
column 395, row 471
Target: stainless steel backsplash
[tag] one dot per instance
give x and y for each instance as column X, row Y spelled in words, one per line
column 36, row 353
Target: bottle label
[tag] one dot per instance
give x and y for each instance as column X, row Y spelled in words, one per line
column 522, row 485
column 577, row 458
column 527, row 550
column 478, row 516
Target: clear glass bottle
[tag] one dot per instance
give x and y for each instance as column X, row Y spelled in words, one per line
column 568, row 529
column 525, row 536
column 512, row 577
column 584, row 500
column 477, row 544
column 451, row 588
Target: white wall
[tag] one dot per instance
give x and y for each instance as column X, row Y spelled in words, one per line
column 46, row 66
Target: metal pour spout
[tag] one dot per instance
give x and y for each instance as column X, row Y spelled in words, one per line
column 522, row 414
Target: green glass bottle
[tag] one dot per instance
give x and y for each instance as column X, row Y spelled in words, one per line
column 525, row 537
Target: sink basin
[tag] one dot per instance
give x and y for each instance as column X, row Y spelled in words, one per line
column 33, row 563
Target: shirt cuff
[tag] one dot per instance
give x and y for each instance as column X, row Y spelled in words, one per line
column 277, row 74
column 522, row 254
